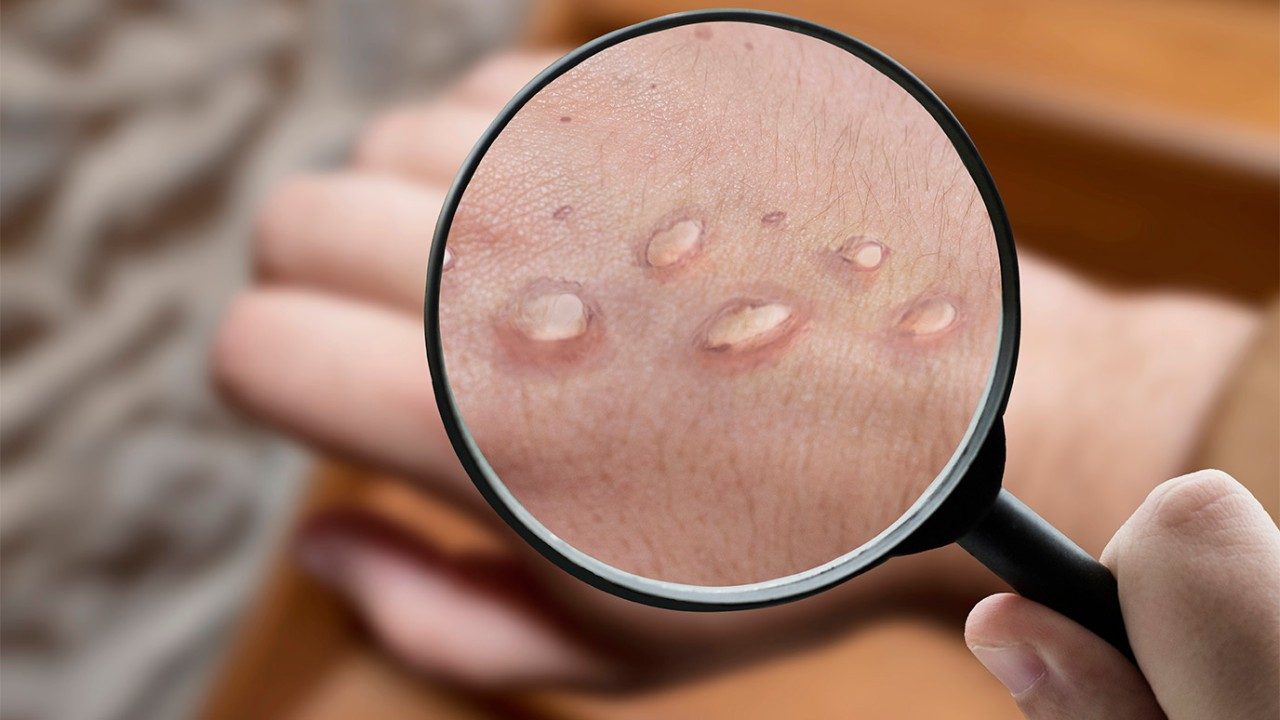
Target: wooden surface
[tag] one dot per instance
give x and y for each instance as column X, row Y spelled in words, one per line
column 300, row 655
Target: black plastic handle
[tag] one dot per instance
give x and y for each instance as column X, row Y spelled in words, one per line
column 1044, row 565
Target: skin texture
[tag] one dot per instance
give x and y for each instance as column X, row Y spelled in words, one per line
column 337, row 305
column 764, row 405
column 1198, row 567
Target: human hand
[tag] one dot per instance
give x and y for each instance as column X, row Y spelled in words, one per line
column 328, row 346
column 1198, row 566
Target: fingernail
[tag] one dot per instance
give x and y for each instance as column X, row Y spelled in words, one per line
column 1018, row 667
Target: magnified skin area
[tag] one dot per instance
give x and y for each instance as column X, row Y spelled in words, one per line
column 337, row 304
column 722, row 303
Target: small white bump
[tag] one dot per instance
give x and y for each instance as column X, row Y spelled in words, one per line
column 746, row 325
column 863, row 253
column 674, row 245
column 552, row 317
column 930, row 315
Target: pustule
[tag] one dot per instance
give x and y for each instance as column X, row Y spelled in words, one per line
column 857, row 261
column 747, row 332
column 863, row 253
column 550, row 322
column 552, row 317
column 928, row 316
column 675, row 244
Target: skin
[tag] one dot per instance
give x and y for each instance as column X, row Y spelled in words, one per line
column 635, row 442
column 341, row 261
column 1198, row 566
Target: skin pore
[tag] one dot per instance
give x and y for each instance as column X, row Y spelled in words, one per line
column 722, row 302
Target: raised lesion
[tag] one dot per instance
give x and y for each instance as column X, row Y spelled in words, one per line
column 761, row 331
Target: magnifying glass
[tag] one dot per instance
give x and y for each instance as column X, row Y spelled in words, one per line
column 722, row 311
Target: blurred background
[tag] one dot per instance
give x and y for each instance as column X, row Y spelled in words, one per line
column 143, row 526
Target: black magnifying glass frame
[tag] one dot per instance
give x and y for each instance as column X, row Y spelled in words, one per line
column 964, row 504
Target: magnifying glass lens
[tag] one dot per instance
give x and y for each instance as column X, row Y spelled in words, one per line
column 720, row 303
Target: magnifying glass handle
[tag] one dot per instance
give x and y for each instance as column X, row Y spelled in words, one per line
column 1044, row 565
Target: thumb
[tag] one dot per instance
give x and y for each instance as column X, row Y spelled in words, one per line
column 1054, row 668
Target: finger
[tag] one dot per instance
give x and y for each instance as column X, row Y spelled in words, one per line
column 359, row 234
column 444, row 616
column 1054, row 668
column 425, row 143
column 346, row 376
column 492, row 83
column 428, row 142
column 1198, row 567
